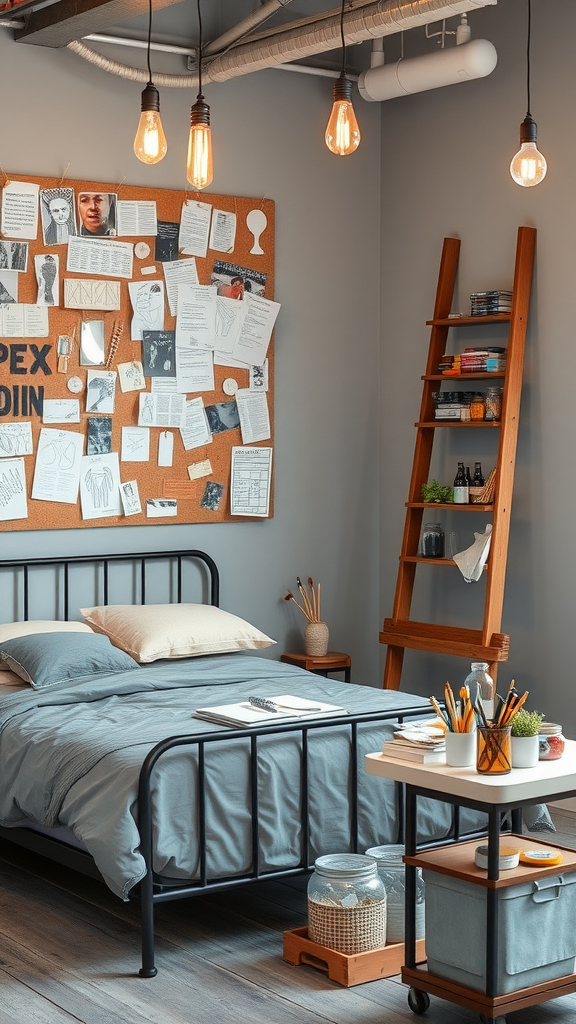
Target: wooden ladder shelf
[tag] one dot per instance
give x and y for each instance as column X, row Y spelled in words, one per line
column 400, row 632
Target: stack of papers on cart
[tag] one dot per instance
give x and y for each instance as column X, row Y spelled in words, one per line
column 287, row 708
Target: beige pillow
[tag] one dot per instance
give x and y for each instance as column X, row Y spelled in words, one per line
column 154, row 631
column 11, row 630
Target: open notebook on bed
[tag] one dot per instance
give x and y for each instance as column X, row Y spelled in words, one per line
column 268, row 711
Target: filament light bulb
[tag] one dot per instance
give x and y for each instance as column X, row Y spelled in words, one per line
column 342, row 132
column 150, row 143
column 528, row 166
column 199, row 168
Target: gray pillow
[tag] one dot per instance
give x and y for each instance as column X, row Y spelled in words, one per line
column 45, row 659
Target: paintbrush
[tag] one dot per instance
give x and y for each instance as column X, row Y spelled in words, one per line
column 309, row 611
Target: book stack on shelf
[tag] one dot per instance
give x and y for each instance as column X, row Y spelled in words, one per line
column 422, row 742
column 488, row 303
column 488, row 359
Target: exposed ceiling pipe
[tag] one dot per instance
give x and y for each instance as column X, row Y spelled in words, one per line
column 449, row 66
column 375, row 20
column 141, row 44
column 244, row 27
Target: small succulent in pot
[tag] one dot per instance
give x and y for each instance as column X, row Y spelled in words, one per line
column 526, row 723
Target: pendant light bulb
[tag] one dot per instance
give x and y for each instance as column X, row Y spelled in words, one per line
column 199, row 167
column 342, row 132
column 150, row 143
column 529, row 166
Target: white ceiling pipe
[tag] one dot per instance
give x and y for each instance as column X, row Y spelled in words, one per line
column 377, row 53
column 475, row 59
column 245, row 26
column 140, row 44
column 370, row 22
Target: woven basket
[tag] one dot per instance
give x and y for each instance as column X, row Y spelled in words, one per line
column 316, row 639
column 348, row 929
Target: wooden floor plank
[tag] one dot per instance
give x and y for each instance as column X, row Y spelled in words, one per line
column 69, row 952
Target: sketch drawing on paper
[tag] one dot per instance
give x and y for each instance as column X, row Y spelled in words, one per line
column 59, row 453
column 47, row 278
column 84, row 293
column 57, row 211
column 11, row 484
column 100, row 391
column 15, row 439
column 100, row 485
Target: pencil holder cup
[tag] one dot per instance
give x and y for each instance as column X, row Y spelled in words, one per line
column 494, row 756
column 316, row 639
column 461, row 749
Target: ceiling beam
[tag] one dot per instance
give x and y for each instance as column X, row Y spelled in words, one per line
column 67, row 20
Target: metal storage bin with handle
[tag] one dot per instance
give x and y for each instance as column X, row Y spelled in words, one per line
column 536, row 933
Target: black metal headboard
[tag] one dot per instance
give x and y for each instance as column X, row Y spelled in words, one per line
column 24, row 569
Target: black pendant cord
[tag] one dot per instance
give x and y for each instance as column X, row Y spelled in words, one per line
column 149, row 41
column 528, row 54
column 342, row 37
column 199, row 52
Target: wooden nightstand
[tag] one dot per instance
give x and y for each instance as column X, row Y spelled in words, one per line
column 331, row 662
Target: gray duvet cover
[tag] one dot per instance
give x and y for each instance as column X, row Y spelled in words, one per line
column 72, row 756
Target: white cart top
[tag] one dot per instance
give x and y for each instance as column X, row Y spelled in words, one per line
column 546, row 779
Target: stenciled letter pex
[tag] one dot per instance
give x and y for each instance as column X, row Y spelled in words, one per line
column 22, row 399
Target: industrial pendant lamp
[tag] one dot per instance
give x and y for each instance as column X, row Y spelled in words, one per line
column 150, row 142
column 342, row 133
column 528, row 167
column 199, row 169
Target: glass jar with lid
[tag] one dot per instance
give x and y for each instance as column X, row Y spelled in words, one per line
column 477, row 406
column 551, row 741
column 493, row 404
column 347, row 903
column 392, row 871
column 432, row 541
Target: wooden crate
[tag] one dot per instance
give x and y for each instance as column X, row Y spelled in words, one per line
column 382, row 962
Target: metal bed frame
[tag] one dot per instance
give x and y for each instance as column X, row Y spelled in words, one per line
column 152, row 889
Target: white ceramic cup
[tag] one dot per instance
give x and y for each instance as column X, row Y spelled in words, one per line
column 461, row 749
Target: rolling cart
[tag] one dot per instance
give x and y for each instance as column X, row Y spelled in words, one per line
column 464, row 787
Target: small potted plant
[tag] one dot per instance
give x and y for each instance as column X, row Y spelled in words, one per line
column 525, row 744
column 434, row 493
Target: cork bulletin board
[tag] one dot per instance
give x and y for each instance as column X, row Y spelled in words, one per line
column 27, row 378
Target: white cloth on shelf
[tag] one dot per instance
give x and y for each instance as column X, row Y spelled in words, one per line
column 471, row 561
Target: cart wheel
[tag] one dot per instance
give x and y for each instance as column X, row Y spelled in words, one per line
column 491, row 1020
column 418, row 1001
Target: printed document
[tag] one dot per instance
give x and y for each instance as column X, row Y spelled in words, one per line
column 194, row 228
column 253, row 413
column 100, row 256
column 195, row 430
column 194, row 370
column 178, row 272
column 250, row 481
column 257, row 328
column 13, row 503
column 196, row 321
column 19, row 216
column 136, row 217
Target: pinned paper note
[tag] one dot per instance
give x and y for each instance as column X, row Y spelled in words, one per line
column 256, row 222
column 19, row 213
column 165, row 448
column 135, row 444
column 130, row 498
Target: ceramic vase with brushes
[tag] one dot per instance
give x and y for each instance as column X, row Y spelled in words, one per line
column 316, row 633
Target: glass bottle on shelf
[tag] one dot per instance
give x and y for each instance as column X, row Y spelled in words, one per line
column 477, row 407
column 493, row 403
column 477, row 483
column 461, row 493
column 481, row 686
column 432, row 541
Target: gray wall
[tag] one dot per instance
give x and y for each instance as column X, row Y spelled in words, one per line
column 445, row 158
column 268, row 141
